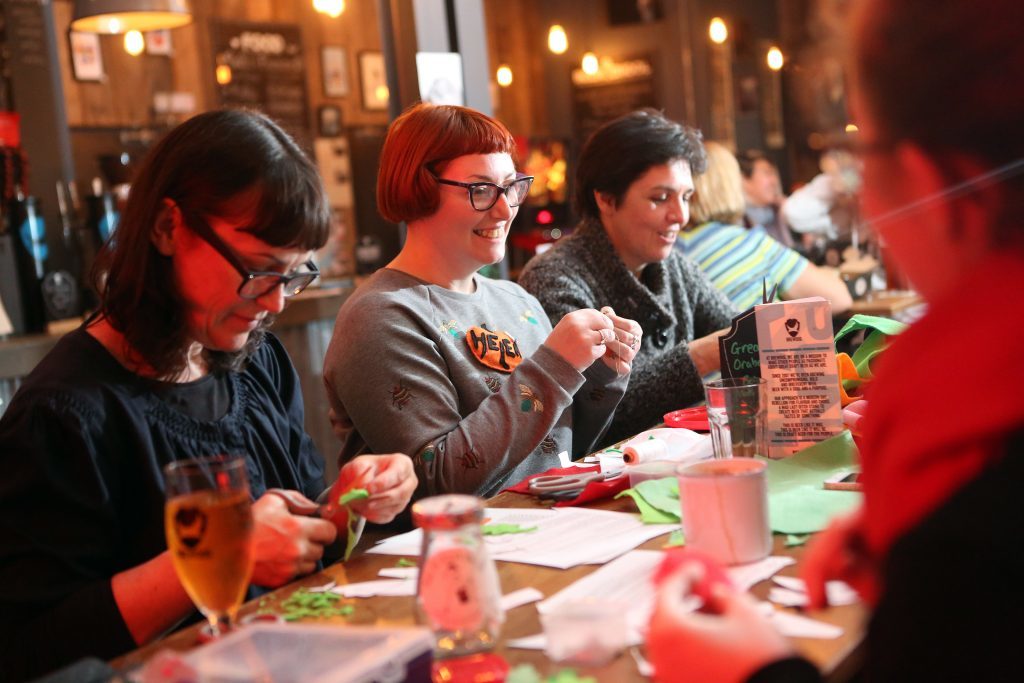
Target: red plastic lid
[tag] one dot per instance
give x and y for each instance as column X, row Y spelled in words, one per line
column 481, row 668
column 689, row 418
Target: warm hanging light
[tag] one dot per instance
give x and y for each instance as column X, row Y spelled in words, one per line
column 558, row 42
column 223, row 74
column 718, row 31
column 134, row 43
column 121, row 16
column 504, row 76
column 852, row 128
column 775, row 58
column 589, row 63
column 332, row 8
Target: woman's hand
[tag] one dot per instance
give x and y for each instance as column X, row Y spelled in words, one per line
column 580, row 337
column 619, row 354
column 286, row 545
column 728, row 640
column 389, row 479
column 839, row 552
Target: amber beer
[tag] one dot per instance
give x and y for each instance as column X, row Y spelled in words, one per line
column 209, row 534
column 208, row 524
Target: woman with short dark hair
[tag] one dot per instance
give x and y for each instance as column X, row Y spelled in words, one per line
column 634, row 180
column 463, row 372
column 219, row 230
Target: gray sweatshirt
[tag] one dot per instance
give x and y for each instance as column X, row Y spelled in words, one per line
column 673, row 301
column 460, row 382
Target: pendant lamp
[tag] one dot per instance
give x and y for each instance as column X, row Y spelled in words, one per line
column 120, row 16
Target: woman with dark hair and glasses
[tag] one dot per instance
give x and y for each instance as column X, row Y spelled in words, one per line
column 463, row 372
column 219, row 230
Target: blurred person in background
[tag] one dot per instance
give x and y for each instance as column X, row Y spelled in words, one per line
column 743, row 263
column 763, row 197
column 935, row 548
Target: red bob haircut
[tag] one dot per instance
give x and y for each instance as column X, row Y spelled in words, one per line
column 423, row 139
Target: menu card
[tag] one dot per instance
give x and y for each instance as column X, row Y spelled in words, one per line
column 793, row 346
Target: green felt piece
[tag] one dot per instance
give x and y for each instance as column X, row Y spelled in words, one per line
column 648, row 513
column 353, row 494
column 503, row 529
column 405, row 562
column 303, row 604
column 797, row 501
column 675, row 539
column 793, row 540
column 886, row 326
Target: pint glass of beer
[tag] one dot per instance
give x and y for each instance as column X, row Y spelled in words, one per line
column 208, row 522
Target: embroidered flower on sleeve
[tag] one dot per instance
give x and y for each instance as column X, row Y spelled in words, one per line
column 529, row 402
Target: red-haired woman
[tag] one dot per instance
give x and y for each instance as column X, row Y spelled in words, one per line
column 465, row 373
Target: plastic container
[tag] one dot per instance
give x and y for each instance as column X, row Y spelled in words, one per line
column 301, row 653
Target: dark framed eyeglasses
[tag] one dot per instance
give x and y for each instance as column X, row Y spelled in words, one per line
column 485, row 195
column 255, row 283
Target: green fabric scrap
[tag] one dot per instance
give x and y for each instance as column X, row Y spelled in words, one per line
column 874, row 342
column 797, row 501
column 353, row 520
column 304, row 604
column 405, row 562
column 502, row 529
column 675, row 539
column 657, row 500
column 793, row 540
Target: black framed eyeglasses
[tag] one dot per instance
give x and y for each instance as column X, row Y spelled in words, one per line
column 255, row 283
column 485, row 195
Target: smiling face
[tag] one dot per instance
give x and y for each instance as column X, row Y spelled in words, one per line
column 643, row 226
column 215, row 315
column 468, row 239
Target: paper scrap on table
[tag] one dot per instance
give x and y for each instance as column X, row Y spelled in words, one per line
column 537, row 641
column 523, row 596
column 796, row 626
column 793, row 592
column 627, row 580
column 565, row 537
column 745, row 576
column 797, row 501
column 564, row 460
column 383, row 587
column 399, row 572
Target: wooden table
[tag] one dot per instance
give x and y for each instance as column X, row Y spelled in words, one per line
column 838, row 658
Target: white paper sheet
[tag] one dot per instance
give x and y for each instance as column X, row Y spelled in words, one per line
column 565, row 537
column 370, row 589
column 796, row 626
column 839, row 593
column 399, row 572
column 744, row 576
column 523, row 596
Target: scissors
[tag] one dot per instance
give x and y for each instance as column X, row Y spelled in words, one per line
column 567, row 485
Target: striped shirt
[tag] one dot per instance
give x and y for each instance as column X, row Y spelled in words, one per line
column 737, row 260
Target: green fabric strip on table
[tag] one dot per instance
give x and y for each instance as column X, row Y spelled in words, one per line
column 797, row 502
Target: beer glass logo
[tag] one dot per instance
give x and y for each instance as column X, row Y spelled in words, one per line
column 190, row 525
column 793, row 327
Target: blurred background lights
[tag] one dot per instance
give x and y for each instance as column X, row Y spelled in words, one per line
column 558, row 42
column 775, row 58
column 718, row 31
column 504, row 76
column 589, row 64
column 134, row 43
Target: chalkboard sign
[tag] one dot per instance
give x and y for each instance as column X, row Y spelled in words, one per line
column 739, row 349
column 266, row 70
column 616, row 88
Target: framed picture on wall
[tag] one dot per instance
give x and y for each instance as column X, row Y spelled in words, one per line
column 373, row 81
column 334, row 68
column 86, row 56
column 159, row 43
column 328, row 121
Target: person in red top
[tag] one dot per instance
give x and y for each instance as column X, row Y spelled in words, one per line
column 935, row 549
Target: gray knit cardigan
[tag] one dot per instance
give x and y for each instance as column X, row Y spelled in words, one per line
column 673, row 301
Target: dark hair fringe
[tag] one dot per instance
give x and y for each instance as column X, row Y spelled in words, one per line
column 210, row 164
